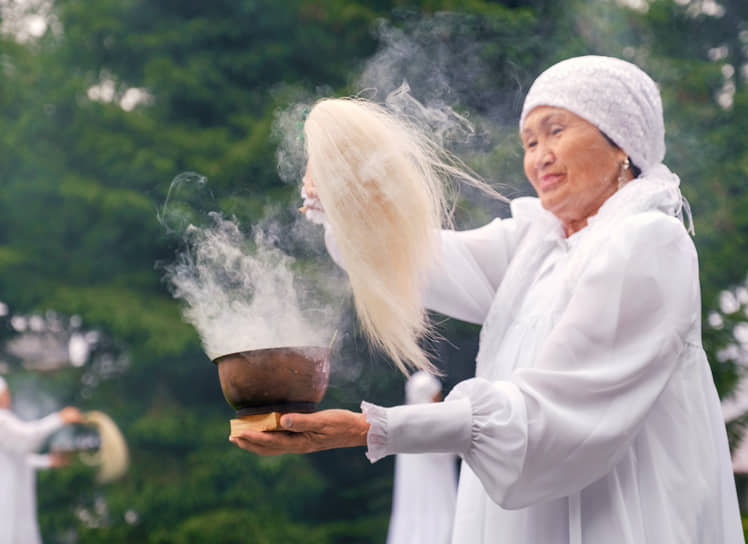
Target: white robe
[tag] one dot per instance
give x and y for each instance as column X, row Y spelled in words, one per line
column 593, row 416
column 18, row 440
column 732, row 408
column 423, row 499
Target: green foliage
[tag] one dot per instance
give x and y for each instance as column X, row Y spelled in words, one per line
column 83, row 180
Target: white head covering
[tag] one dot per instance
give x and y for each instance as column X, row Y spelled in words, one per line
column 612, row 94
column 624, row 103
column 421, row 387
column 3, row 385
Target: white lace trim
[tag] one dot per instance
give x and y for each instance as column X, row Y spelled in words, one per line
column 376, row 439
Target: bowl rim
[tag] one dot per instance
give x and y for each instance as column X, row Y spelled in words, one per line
column 218, row 359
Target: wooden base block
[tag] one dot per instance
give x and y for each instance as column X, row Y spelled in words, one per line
column 256, row 422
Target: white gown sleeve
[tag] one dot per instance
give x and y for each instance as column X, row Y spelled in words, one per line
column 39, row 461
column 20, row 436
column 470, row 267
column 557, row 427
column 471, row 264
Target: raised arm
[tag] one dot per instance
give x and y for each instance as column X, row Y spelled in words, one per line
column 471, row 264
column 463, row 282
column 26, row 436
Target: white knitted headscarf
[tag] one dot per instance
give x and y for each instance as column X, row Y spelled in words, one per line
column 3, row 385
column 624, row 103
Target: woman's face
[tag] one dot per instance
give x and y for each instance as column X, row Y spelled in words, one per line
column 571, row 165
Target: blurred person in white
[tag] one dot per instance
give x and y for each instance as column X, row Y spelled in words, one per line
column 425, row 484
column 19, row 441
column 593, row 416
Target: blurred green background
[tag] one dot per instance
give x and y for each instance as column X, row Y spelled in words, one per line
column 104, row 102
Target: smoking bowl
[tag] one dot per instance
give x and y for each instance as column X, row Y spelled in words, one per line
column 262, row 384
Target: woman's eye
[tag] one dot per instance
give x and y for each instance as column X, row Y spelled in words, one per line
column 530, row 144
column 556, row 130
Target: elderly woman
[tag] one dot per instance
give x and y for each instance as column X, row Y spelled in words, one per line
column 593, row 416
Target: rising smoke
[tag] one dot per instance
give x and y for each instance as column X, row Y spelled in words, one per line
column 435, row 73
column 242, row 292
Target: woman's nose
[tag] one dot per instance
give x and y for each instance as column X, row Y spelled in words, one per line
column 544, row 156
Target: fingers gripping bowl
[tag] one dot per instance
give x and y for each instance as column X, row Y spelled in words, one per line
column 262, row 384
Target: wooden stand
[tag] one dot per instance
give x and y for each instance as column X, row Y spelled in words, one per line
column 256, row 422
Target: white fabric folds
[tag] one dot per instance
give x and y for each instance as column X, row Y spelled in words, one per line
column 593, row 417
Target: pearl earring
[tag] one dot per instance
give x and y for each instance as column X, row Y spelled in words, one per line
column 622, row 175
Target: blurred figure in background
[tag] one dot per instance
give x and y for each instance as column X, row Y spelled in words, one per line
column 19, row 441
column 425, row 488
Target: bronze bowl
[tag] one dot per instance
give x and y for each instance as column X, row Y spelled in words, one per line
column 287, row 379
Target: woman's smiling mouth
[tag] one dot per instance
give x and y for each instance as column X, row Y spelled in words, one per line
column 549, row 182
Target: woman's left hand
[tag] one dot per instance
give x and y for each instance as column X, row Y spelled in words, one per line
column 306, row 433
column 57, row 459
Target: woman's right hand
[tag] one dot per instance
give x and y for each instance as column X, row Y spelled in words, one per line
column 306, row 433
